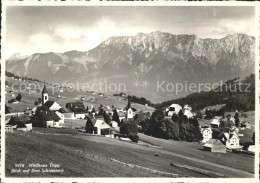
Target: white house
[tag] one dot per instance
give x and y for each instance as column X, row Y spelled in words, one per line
column 52, row 105
column 101, row 127
column 114, row 125
column 130, row 113
column 207, row 134
column 188, row 113
column 251, row 148
column 173, row 109
column 61, row 121
column 215, row 123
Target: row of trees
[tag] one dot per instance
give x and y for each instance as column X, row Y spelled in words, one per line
column 242, row 98
column 176, row 128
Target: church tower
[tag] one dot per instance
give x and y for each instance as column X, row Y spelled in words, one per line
column 129, row 111
column 45, row 96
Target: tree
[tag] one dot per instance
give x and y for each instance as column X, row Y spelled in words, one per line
column 209, row 114
column 130, row 129
column 115, row 117
column 89, row 126
column 106, row 117
column 19, row 97
column 237, row 122
column 180, row 113
column 124, row 129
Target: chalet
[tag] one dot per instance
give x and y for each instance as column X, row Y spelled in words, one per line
column 78, row 109
column 207, row 134
column 215, row 123
column 187, row 113
column 74, row 105
column 214, row 145
column 68, row 114
column 79, row 113
column 98, row 126
column 22, row 127
column 22, row 123
column 233, row 141
column 173, row 109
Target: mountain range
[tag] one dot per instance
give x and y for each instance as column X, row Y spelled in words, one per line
column 152, row 57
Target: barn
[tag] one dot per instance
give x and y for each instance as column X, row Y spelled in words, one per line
column 214, row 145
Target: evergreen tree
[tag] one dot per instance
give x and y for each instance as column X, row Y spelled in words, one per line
column 89, row 126
column 106, row 117
column 115, row 117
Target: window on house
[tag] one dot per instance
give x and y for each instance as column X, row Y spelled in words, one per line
column 172, row 109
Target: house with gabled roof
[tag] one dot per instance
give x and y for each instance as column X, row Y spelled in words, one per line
column 46, row 118
column 231, row 140
column 22, row 123
column 173, row 109
column 98, row 126
column 78, row 109
column 206, row 133
column 215, row 123
column 214, row 145
column 68, row 114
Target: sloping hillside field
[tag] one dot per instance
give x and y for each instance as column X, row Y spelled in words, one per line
column 78, row 155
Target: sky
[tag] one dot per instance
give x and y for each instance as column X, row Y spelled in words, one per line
column 40, row 29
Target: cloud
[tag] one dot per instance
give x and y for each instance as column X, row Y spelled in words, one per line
column 60, row 29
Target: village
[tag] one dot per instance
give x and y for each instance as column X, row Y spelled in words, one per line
column 221, row 132
column 113, row 121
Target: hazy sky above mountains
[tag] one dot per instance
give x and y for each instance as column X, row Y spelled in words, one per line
column 59, row 29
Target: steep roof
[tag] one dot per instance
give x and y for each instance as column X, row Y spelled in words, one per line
column 14, row 120
column 21, row 125
column 48, row 103
column 79, row 111
column 101, row 124
column 65, row 110
column 72, row 105
column 49, row 115
column 213, row 142
column 121, row 114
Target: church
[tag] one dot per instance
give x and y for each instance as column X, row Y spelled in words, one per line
column 51, row 105
column 47, row 115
